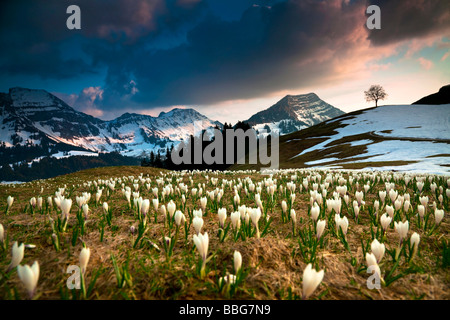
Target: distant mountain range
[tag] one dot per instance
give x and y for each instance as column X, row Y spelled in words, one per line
column 36, row 118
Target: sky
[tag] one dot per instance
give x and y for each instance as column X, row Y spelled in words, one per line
column 228, row 59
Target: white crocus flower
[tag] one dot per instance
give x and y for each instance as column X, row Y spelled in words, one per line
column 66, row 204
column 284, row 206
column 9, row 201
column 311, row 280
column 84, row 258
column 145, row 206
column 222, row 215
column 197, row 222
column 203, row 202
column 415, row 240
column 179, row 218
column 155, row 204
column 236, row 220
column 315, row 211
column 371, row 262
column 105, row 207
column 320, row 228
column 255, row 215
column 2, row 233
column 390, row 211
column 385, row 221
column 438, row 216
column 17, row 255
column 29, row 277
column 85, row 208
column 201, row 241
column 171, row 208
column 237, row 258
column 378, row 249
column 293, row 216
column 402, row 229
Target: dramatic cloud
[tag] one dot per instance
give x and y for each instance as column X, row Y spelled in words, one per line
column 404, row 20
column 161, row 53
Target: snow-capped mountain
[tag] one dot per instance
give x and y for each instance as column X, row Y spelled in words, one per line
column 294, row 113
column 36, row 117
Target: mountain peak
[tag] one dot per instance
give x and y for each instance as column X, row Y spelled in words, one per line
column 30, row 97
column 295, row 112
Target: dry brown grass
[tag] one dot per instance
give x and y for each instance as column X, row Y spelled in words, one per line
column 273, row 263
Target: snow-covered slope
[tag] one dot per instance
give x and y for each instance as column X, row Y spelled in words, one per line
column 413, row 138
column 293, row 113
column 36, row 117
column 418, row 134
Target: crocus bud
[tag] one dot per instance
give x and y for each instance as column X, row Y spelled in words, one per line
column 179, row 218
column 84, row 258
column 382, row 195
column 197, row 213
column 171, row 208
column 385, row 221
column 438, row 216
column 376, row 205
column 406, row 205
column 255, row 215
column 402, row 229
column 17, row 255
column 315, row 210
column 132, row 230
column 236, row 220
column 421, row 210
column 293, row 216
column 33, row 202
column 198, row 224
column 390, row 211
column 356, row 210
column 168, row 241
column 378, row 249
column 222, row 215
column 237, row 258
column 29, row 277
column 415, row 240
column 9, row 201
column 311, row 280
column 145, row 206
column 85, row 208
column 343, row 224
column 2, row 233
column 201, row 241
column 155, row 203
column 105, row 207
column 39, row 203
column 371, row 259
column 203, row 202
column 320, row 228
column 284, row 206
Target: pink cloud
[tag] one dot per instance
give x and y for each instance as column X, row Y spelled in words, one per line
column 425, row 63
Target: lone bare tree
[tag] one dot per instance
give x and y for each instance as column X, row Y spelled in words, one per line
column 375, row 93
